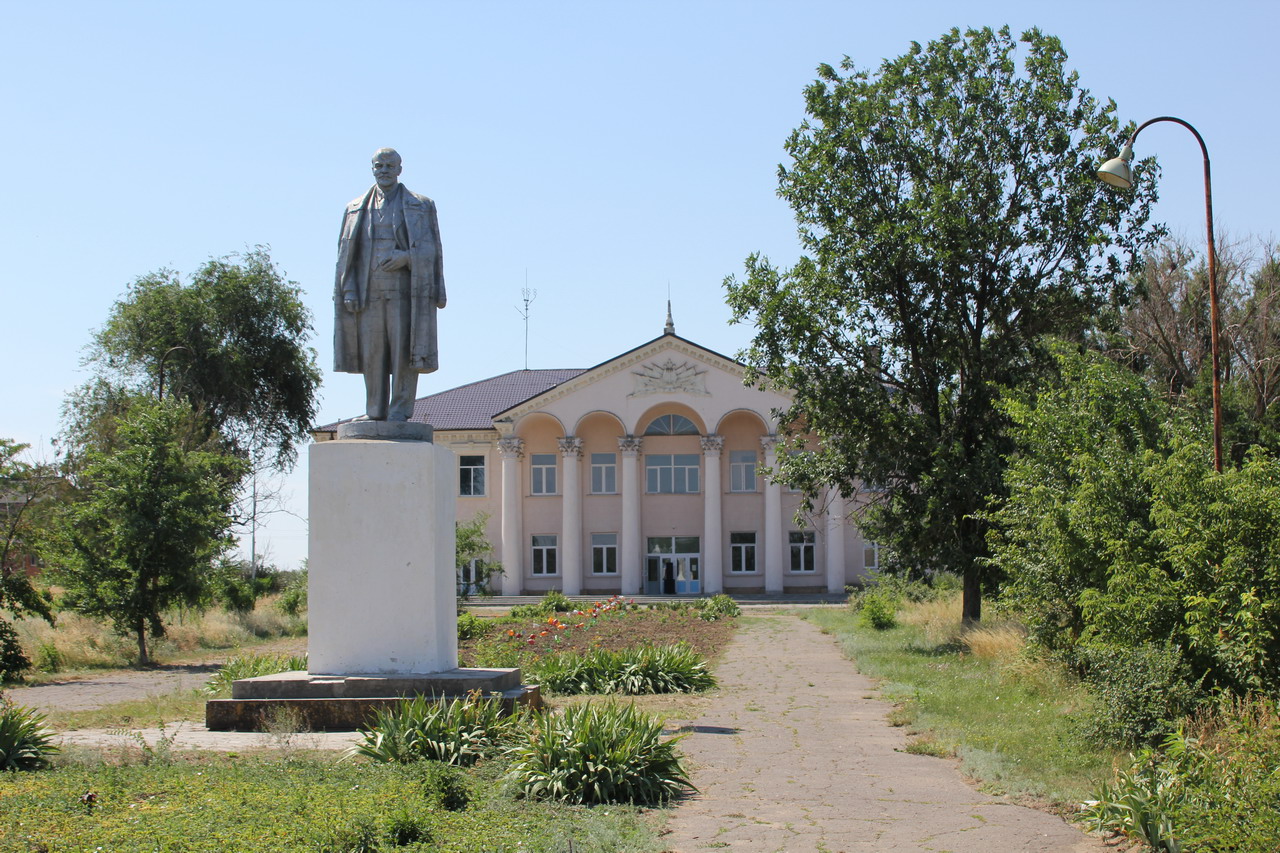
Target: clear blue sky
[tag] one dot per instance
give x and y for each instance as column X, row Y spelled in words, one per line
column 609, row 150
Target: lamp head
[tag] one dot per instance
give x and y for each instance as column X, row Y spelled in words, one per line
column 1117, row 171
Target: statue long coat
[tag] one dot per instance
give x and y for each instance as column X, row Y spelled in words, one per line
column 426, row 281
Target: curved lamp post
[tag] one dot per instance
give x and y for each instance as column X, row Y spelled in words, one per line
column 160, row 384
column 1118, row 173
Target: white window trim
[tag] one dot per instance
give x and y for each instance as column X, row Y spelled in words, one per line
column 753, row 545
column 685, row 470
column 605, row 548
column 540, row 489
column 552, row 550
column 810, row 544
column 484, row 478
column 736, row 467
column 603, row 466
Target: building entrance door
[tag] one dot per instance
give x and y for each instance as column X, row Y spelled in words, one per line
column 672, row 566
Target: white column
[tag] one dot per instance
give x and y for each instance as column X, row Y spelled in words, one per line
column 712, row 547
column 775, row 538
column 835, row 541
column 571, row 516
column 631, row 557
column 512, row 449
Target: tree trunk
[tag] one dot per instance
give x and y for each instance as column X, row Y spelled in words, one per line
column 972, row 608
column 144, row 659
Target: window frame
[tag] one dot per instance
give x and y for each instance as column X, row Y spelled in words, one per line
column 542, row 472
column 746, row 550
column 467, row 484
column 737, row 469
column 803, row 543
column 654, row 469
column 608, row 473
column 545, row 562
column 874, row 549
column 601, row 552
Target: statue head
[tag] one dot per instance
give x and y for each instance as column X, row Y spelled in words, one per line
column 386, row 168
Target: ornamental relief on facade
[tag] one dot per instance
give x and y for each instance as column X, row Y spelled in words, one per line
column 669, row 377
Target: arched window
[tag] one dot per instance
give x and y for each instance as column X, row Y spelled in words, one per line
column 671, row 425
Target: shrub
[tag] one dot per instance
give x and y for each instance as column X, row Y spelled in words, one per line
column 878, row 609
column 471, row 626
column 252, row 666
column 1141, row 691
column 719, row 606
column 444, row 786
column 593, row 754
column 550, row 604
column 25, row 742
column 459, row 732
column 13, row 662
column 293, row 600
column 648, row 669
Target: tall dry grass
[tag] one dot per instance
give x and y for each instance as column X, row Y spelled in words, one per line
column 77, row 642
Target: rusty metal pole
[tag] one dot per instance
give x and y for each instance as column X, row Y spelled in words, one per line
column 1213, row 281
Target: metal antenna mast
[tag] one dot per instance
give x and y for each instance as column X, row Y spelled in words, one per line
column 527, row 296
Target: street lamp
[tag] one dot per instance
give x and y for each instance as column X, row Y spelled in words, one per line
column 1118, row 173
column 160, row 384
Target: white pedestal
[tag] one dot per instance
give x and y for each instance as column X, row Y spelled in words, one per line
column 382, row 586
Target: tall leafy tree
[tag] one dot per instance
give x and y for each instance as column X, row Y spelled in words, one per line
column 231, row 343
column 950, row 218
column 27, row 492
column 151, row 517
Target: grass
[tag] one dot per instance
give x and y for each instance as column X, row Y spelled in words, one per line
column 308, row 803
column 1011, row 719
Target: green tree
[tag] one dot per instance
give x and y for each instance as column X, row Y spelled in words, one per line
column 27, row 492
column 950, row 219
column 151, row 517
column 472, row 551
column 232, row 344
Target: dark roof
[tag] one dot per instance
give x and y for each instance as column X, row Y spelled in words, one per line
column 473, row 406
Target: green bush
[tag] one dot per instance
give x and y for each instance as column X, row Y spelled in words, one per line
column 598, row 754
column 25, row 742
column 471, row 626
column 13, row 662
column 643, row 670
column 718, row 606
column 878, row 609
column 550, row 604
column 293, row 600
column 443, row 785
column 459, row 732
column 251, row 666
column 1141, row 690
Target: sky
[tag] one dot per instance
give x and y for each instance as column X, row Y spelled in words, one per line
column 606, row 155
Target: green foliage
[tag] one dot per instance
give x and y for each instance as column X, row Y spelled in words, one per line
column 950, row 220
column 598, row 754
column 473, row 550
column 233, row 586
column 214, row 804
column 293, row 599
column 471, row 626
column 1142, row 691
column 634, row 672
column 1118, row 532
column 231, row 344
column 718, row 606
column 27, row 493
column 460, row 731
column 553, row 602
column 251, row 666
column 151, row 518
column 25, row 742
column 1143, row 798
column 878, row 609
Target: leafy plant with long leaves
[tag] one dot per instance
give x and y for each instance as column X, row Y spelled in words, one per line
column 461, row 731
column 25, row 742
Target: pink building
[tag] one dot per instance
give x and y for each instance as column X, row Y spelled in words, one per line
column 640, row 475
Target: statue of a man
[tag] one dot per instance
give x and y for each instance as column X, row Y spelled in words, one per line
column 390, row 281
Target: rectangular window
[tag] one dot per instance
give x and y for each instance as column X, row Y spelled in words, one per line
column 871, row 556
column 742, row 552
column 604, row 553
column 803, row 548
column 671, row 474
column 471, row 476
column 742, row 471
column 544, row 555
column 604, row 473
column 543, row 470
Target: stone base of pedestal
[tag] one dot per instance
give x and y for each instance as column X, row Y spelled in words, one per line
column 344, row 702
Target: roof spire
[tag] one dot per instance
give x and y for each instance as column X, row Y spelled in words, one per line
column 670, row 328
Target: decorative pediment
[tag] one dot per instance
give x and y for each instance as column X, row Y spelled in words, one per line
column 668, row 378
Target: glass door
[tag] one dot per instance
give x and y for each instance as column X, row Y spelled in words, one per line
column 687, row 581
column 672, row 566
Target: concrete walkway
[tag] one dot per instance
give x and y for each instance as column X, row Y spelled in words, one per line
column 792, row 755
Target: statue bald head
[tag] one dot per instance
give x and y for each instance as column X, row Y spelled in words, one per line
column 386, row 168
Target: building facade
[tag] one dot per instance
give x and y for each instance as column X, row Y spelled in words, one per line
column 641, row 475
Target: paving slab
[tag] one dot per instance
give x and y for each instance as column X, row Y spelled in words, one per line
column 792, row 755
